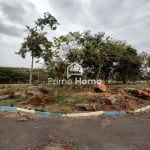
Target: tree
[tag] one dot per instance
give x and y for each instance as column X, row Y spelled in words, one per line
column 100, row 56
column 145, row 58
column 67, row 46
column 129, row 64
column 36, row 42
column 66, row 49
column 93, row 54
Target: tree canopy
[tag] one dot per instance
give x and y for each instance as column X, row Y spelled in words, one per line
column 101, row 56
column 36, row 43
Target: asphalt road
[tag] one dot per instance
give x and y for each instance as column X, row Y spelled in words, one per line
column 96, row 133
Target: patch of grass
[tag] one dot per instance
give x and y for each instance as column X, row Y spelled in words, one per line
column 12, row 101
column 58, row 99
column 61, row 112
column 20, row 98
column 77, row 100
column 7, row 102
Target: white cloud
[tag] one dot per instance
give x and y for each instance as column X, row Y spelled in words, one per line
column 122, row 19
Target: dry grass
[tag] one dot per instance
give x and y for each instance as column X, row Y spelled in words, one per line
column 64, row 99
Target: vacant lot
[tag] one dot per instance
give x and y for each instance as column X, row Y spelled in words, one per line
column 76, row 98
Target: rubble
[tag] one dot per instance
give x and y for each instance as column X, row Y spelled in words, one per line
column 142, row 93
column 68, row 145
column 108, row 102
column 37, row 100
column 32, row 90
column 36, row 90
column 10, row 95
column 100, row 87
column 112, row 99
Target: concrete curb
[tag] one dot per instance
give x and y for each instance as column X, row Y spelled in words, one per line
column 84, row 114
column 114, row 113
column 143, row 109
column 25, row 110
column 8, row 108
column 88, row 114
column 49, row 114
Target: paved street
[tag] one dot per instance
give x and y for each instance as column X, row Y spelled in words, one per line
column 97, row 133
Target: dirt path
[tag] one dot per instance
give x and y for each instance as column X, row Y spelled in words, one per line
column 122, row 133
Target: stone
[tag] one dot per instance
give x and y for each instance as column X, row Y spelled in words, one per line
column 108, row 102
column 100, row 87
column 35, row 90
column 32, row 90
column 140, row 93
column 113, row 99
column 17, row 94
column 4, row 97
column 37, row 100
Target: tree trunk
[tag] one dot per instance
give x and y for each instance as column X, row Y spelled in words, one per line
column 99, row 72
column 31, row 70
column 38, row 76
column 124, row 80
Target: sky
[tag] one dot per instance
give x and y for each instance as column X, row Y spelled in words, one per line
column 127, row 20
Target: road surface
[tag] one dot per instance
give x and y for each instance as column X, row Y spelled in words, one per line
column 96, row 133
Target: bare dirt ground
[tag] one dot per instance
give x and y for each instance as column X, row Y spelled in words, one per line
column 75, row 98
column 96, row 133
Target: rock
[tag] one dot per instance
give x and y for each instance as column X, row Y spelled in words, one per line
column 32, row 90
column 37, row 100
column 108, row 102
column 100, row 87
column 44, row 89
column 140, row 93
column 113, row 99
column 68, row 145
column 17, row 94
column 36, row 90
column 146, row 89
column 11, row 95
column 89, row 107
column 4, row 97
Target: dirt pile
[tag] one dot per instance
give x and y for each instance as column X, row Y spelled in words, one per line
column 122, row 99
column 39, row 95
